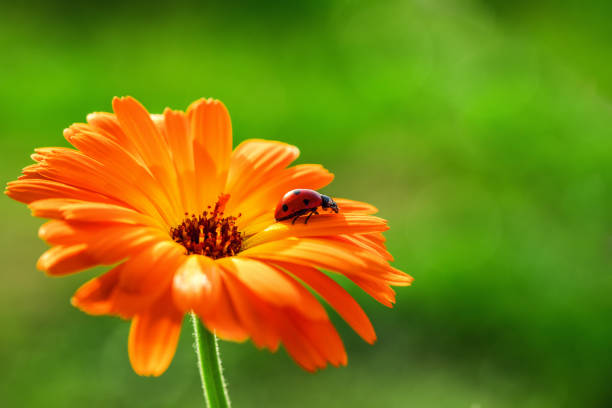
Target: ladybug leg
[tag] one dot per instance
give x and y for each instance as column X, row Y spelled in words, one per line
column 298, row 214
column 313, row 211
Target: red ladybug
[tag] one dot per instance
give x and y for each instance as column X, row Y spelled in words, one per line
column 302, row 201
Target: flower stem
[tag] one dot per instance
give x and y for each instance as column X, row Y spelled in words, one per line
column 209, row 364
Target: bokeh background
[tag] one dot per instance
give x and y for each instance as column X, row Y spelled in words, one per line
column 481, row 129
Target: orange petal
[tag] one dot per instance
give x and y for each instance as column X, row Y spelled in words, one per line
column 136, row 122
column 31, row 172
column 324, row 338
column 60, row 232
column 126, row 166
column 28, row 190
column 333, row 255
column 299, row 347
column 137, row 125
column 105, row 295
column 379, row 290
column 319, row 225
column 212, row 128
column 158, row 121
column 376, row 237
column 52, row 207
column 81, row 245
column 311, row 343
column 352, row 243
column 362, row 241
column 96, row 296
column 154, row 336
column 180, row 142
column 62, row 260
column 101, row 212
column 223, row 319
column 328, row 253
column 261, row 204
column 336, row 296
column 76, row 169
column 78, row 210
column 355, row 207
column 151, row 269
column 195, row 285
column 273, row 286
column 256, row 316
column 253, row 162
column 206, row 190
column 107, row 124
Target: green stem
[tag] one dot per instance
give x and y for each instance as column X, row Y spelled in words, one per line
column 209, row 364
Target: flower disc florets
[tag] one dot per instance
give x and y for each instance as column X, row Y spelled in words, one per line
column 210, row 234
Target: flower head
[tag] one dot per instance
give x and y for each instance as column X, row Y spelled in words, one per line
column 188, row 224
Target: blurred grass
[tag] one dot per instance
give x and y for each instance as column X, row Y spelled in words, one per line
column 482, row 131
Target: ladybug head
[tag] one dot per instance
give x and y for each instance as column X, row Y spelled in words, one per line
column 327, row 202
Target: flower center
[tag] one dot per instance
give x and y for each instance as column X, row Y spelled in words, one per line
column 210, row 233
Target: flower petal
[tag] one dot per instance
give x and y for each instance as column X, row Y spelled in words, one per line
column 137, row 125
column 62, row 260
column 299, row 348
column 223, row 319
column 28, row 190
column 78, row 210
column 195, row 286
column 153, row 338
column 76, row 169
column 259, row 206
column 61, row 232
column 150, row 270
column 256, row 316
column 253, row 162
column 82, row 245
column 113, row 156
column 350, row 260
column 101, row 212
column 206, row 191
column 52, row 207
column 180, row 142
column 108, row 125
column 96, row 296
column 363, row 241
column 336, row 296
column 310, row 342
column 211, row 127
column 323, row 338
column 152, row 148
column 381, row 291
column 355, row 207
column 117, row 292
column 331, row 254
column 321, row 225
column 273, row 286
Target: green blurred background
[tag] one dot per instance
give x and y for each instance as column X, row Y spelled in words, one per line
column 482, row 130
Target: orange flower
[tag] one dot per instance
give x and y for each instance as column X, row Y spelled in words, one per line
column 190, row 226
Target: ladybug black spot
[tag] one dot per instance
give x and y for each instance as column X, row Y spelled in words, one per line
column 296, row 192
column 285, row 207
column 306, row 201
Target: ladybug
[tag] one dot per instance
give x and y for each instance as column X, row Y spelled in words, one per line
column 302, row 201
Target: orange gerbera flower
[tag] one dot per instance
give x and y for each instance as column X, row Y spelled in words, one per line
column 190, row 226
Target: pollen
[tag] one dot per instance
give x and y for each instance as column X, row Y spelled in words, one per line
column 210, row 233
